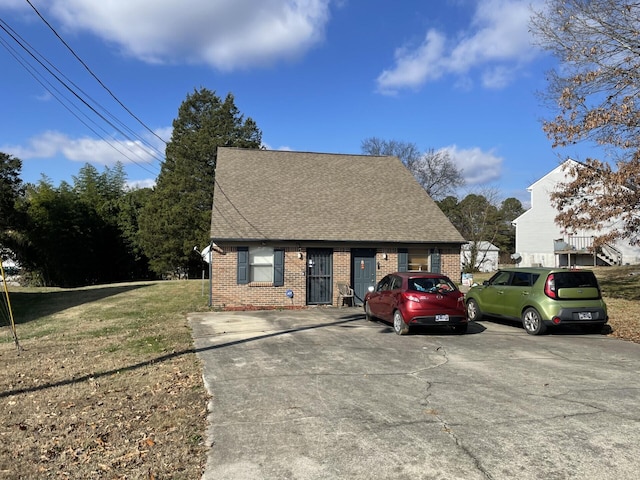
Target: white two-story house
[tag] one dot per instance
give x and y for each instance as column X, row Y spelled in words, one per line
column 540, row 241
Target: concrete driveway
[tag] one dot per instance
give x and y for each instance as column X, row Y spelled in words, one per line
column 324, row 394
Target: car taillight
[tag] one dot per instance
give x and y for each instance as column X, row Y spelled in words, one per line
column 411, row 298
column 550, row 287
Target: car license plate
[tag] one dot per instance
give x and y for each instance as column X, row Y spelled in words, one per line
column 442, row 318
column 584, row 315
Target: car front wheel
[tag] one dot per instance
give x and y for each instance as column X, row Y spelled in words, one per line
column 532, row 322
column 399, row 326
column 473, row 311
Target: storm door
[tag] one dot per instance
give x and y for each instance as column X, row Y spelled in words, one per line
column 363, row 272
column 319, row 276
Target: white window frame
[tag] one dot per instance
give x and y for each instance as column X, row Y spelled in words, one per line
column 412, row 254
column 261, row 264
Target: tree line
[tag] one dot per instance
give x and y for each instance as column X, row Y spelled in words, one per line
column 95, row 230
column 479, row 217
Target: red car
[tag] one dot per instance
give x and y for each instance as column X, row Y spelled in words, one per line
column 417, row 298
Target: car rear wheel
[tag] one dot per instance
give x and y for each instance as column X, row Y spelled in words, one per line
column 399, row 326
column 460, row 329
column 532, row 322
column 367, row 312
column 473, row 311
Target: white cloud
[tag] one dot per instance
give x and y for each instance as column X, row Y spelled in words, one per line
column 14, row 4
column 164, row 133
column 226, row 34
column 497, row 43
column 87, row 150
column 268, row 146
column 138, row 184
column 478, row 167
column 415, row 67
column 497, row 77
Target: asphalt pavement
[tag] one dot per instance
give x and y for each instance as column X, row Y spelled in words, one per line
column 323, row 394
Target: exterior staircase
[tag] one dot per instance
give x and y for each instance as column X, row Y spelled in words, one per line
column 609, row 254
column 580, row 250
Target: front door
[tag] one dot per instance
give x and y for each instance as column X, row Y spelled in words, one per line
column 319, row 276
column 363, row 272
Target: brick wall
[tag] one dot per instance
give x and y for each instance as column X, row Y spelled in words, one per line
column 450, row 265
column 341, row 270
column 227, row 294
column 387, row 265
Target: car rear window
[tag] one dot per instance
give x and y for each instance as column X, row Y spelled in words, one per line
column 575, row 280
column 430, row 284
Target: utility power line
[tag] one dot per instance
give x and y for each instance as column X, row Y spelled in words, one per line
column 93, row 74
column 76, row 101
column 68, row 104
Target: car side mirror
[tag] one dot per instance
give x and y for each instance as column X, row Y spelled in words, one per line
column 485, row 283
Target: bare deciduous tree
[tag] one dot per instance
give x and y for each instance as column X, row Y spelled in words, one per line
column 437, row 173
column 434, row 170
column 595, row 90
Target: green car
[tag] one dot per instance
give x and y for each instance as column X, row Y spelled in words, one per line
column 540, row 298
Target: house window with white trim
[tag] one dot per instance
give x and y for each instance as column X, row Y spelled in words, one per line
column 261, row 264
column 419, row 260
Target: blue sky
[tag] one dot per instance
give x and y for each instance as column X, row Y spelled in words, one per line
column 315, row 75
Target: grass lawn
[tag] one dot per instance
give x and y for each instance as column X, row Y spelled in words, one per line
column 107, row 384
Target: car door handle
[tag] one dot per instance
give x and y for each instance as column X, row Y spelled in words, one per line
column 524, row 293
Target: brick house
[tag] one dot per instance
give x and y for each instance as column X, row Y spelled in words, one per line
column 289, row 226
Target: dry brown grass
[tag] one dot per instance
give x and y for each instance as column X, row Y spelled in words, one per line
column 108, row 386
column 621, row 289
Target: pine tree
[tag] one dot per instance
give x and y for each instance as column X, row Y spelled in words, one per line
column 11, row 189
column 177, row 216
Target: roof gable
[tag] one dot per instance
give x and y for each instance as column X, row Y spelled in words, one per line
column 284, row 195
column 556, row 175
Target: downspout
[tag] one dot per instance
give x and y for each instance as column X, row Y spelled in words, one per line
column 210, row 273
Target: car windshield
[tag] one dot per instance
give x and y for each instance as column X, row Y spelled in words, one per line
column 575, row 280
column 431, row 284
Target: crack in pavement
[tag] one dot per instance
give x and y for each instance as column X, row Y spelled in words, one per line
column 443, row 422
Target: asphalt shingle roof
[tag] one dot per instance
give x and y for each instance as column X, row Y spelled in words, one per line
column 284, row 195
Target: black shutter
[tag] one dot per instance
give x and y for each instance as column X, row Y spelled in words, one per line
column 435, row 261
column 403, row 260
column 278, row 267
column 243, row 265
